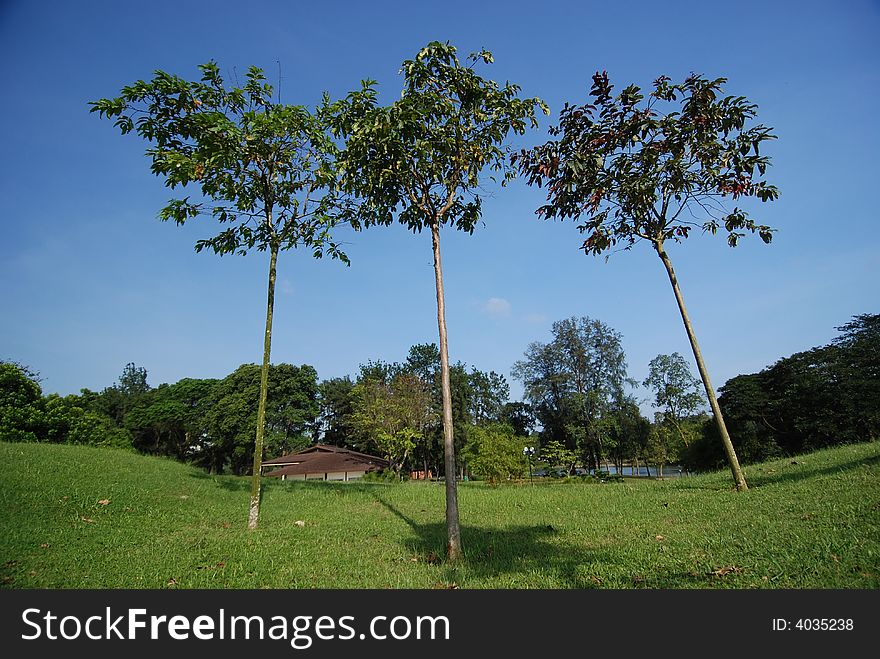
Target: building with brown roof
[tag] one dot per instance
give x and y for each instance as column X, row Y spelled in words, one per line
column 323, row 462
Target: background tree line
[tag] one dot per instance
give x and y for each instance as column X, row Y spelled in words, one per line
column 579, row 411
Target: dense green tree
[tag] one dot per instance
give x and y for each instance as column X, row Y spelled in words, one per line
column 573, row 381
column 629, row 432
column 27, row 416
column 266, row 171
column 676, row 391
column 393, row 416
column 520, row 417
column 633, row 169
column 232, row 414
column 421, row 160
column 495, row 453
column 171, row 420
column 557, row 457
column 337, row 407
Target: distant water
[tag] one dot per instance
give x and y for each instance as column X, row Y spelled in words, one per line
column 669, row 471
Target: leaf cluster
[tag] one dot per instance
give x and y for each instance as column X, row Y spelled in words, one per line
column 264, row 169
column 633, row 167
column 421, row 158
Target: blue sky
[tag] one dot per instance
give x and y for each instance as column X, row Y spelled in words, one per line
column 92, row 280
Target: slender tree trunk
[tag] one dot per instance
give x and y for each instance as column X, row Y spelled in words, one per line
column 453, row 547
column 254, row 513
column 735, row 469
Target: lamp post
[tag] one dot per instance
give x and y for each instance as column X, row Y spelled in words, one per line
column 529, row 451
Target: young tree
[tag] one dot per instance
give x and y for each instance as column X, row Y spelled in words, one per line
column 265, row 170
column 632, row 172
column 421, row 159
column 676, row 391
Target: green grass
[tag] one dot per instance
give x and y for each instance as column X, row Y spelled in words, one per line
column 814, row 524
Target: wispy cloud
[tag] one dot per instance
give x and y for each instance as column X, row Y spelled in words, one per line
column 535, row 318
column 497, row 306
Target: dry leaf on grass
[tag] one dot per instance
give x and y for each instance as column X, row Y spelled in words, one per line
column 104, row 502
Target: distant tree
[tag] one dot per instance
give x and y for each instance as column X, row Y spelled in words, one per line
column 393, row 416
column 232, row 414
column 629, row 431
column 171, row 420
column 337, row 408
column 494, row 453
column 421, row 159
column 557, row 456
column 632, row 172
column 822, row 397
column 21, row 409
column 489, row 393
column 265, row 170
column 27, row 416
column 676, row 391
column 573, row 381
column 520, row 417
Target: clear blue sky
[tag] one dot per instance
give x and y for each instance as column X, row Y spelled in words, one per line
column 92, row 280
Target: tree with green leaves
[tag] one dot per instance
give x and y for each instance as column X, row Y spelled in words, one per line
column 422, row 160
column 232, row 414
column 266, row 171
column 676, row 390
column 495, row 454
column 653, row 169
column 572, row 382
column 392, row 415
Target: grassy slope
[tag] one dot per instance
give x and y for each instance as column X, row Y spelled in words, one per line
column 814, row 524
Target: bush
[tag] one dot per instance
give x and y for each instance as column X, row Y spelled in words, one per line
column 495, row 454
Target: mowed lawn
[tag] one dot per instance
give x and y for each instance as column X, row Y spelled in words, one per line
column 80, row 517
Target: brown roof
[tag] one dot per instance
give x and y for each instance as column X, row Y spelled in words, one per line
column 321, row 459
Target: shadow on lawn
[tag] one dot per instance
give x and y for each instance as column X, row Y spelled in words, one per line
column 794, row 469
column 490, row 552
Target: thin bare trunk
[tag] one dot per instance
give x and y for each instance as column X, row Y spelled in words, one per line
column 453, row 547
column 738, row 478
column 254, row 513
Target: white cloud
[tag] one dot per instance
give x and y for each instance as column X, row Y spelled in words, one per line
column 497, row 306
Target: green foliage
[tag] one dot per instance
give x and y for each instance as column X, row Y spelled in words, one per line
column 392, row 416
column 633, row 168
column 21, row 410
column 337, row 408
column 557, row 456
column 421, row 158
column 494, row 453
column 676, row 390
column 265, row 170
column 231, row 415
column 170, row 420
column 573, row 381
column 27, row 416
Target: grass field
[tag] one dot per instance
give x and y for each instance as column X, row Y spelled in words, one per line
column 79, row 517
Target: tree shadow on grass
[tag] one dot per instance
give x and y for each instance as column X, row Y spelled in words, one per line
column 791, row 471
column 492, row 552
column 803, row 473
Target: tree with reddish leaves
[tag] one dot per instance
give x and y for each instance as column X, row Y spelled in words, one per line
column 653, row 168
